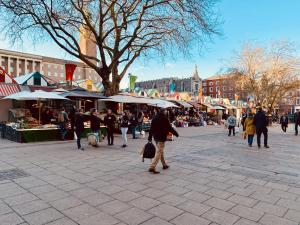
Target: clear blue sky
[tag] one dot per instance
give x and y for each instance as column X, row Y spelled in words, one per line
column 262, row 21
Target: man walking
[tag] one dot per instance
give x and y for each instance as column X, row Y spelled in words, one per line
column 231, row 124
column 79, row 127
column 62, row 122
column 160, row 128
column 109, row 121
column 297, row 121
column 260, row 121
column 284, row 120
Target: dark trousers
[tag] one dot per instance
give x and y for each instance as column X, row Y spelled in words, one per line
column 133, row 130
column 263, row 131
column 296, row 128
column 110, row 136
column 250, row 139
column 63, row 130
column 283, row 126
column 78, row 134
column 231, row 129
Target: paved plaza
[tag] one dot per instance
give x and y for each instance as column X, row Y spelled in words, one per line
column 213, row 179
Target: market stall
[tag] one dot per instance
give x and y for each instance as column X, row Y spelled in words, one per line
column 26, row 128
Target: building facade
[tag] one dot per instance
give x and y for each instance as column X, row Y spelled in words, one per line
column 192, row 85
column 221, row 86
column 17, row 64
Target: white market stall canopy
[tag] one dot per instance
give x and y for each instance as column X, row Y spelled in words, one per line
column 183, row 104
column 140, row 100
column 37, row 95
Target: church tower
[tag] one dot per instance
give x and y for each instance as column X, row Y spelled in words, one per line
column 87, row 43
column 196, row 83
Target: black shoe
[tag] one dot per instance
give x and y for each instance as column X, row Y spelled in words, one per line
column 258, row 146
column 82, row 149
column 153, row 171
column 267, row 146
column 250, row 145
column 166, row 167
column 124, row 146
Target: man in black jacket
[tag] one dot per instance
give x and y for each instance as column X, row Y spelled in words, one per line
column 110, row 121
column 260, row 121
column 79, row 126
column 160, row 128
column 297, row 121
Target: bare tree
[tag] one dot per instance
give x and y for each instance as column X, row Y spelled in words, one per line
column 122, row 30
column 267, row 73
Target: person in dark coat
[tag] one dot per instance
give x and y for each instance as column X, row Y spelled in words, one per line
column 159, row 130
column 133, row 124
column 297, row 121
column 72, row 117
column 284, row 121
column 260, row 122
column 95, row 121
column 79, row 126
column 109, row 121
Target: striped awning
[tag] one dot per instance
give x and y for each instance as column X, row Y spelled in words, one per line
column 8, row 89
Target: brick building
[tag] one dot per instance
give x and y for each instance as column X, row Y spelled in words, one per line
column 221, row 86
column 17, row 63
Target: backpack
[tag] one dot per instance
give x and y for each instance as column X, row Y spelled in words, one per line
column 148, row 151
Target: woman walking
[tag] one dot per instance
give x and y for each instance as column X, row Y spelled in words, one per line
column 250, row 128
column 124, row 124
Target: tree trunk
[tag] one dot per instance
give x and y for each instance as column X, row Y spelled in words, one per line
column 111, row 88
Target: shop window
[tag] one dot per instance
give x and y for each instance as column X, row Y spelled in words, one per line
column 210, row 89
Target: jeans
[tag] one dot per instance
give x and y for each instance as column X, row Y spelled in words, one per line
column 63, row 130
column 124, row 134
column 110, row 135
column 283, row 127
column 133, row 130
column 140, row 127
column 231, row 128
column 78, row 134
column 250, row 139
column 263, row 131
column 159, row 155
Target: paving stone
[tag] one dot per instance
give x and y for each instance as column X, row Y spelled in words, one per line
column 172, row 199
column 19, row 199
column 277, row 186
column 159, row 184
column 63, row 221
column 10, row 219
column 155, row 221
column 144, row 203
column 71, row 186
column 243, row 221
column 294, row 190
column 83, row 192
column 259, row 188
column 194, row 208
column 176, row 190
column 165, row 212
column 196, row 196
column 152, row 193
column 135, row 187
column 4, row 209
column 284, row 194
column 114, row 207
column 133, row 216
column 220, row 217
column 43, row 189
column 271, row 209
column 30, row 207
column 80, row 212
column 52, row 196
column 293, row 215
column 189, row 219
column 289, row 204
column 110, row 189
column 99, row 219
column 197, row 187
column 264, row 197
column 219, row 185
column 97, row 199
column 247, row 213
column 219, row 203
column 218, row 193
column 180, row 182
column 240, row 191
column 126, row 196
column 275, row 220
column 10, row 189
column 43, row 216
column 242, row 200
column 66, row 203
